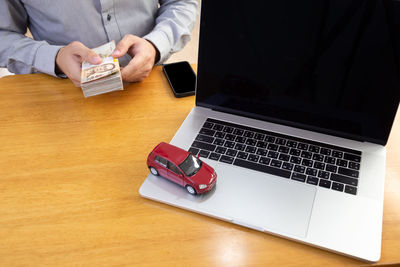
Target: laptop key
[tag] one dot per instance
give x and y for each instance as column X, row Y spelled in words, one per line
column 218, row 142
column 250, row 149
column 352, row 157
column 251, row 142
column 204, row 153
column 218, row 127
column 203, row 145
column 337, row 154
column 331, row 168
column 238, row 132
column 219, row 135
column 295, row 160
column 344, row 179
column 325, row 183
column 311, row 171
column 299, row 168
column 325, row 151
column 307, row 162
column 226, row 159
column 284, row 157
column 350, row 189
column 299, row 177
column 302, row 146
column 231, row 152
column 229, row 144
column 205, row 138
column 264, row 160
column 337, row 186
column 214, row 156
column 292, row 144
column 240, row 147
column 287, row 166
column 354, row 166
column 318, row 157
column 323, row 174
column 341, row 163
column 240, row 139
column 330, row 160
column 194, row 151
column 348, row 172
column 319, row 165
column 284, row 149
column 314, row 149
column 280, row 141
column 261, row 152
column 242, row 155
column 273, row 154
column 262, row 168
column 306, row 154
column 276, row 163
column 221, row 150
column 273, row 147
column 208, row 125
column 312, row 180
column 253, row 157
column 230, row 137
column 206, row 131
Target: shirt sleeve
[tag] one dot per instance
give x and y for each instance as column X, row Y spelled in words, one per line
column 174, row 23
column 21, row 54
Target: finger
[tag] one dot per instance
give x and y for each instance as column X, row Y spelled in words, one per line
column 85, row 53
column 133, row 70
column 124, row 45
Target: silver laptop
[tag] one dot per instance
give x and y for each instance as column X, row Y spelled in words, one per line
column 294, row 104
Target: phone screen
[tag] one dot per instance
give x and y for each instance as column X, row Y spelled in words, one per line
column 181, row 77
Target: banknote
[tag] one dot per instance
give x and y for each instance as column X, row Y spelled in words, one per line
column 104, row 77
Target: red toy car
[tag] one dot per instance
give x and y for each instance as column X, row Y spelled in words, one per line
column 181, row 167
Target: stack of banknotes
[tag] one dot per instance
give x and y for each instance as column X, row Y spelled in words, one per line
column 104, row 77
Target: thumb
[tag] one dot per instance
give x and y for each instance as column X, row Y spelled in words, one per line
column 124, row 45
column 85, row 53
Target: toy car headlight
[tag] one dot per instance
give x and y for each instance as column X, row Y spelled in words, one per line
column 202, row 186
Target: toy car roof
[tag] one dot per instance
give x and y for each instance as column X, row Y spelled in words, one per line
column 171, row 152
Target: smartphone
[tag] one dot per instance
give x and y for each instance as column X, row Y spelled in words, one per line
column 181, row 78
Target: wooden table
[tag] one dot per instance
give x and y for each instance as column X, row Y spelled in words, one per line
column 71, row 168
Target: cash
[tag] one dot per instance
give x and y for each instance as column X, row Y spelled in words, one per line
column 104, row 77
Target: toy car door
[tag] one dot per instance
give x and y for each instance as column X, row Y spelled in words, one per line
column 174, row 173
column 162, row 166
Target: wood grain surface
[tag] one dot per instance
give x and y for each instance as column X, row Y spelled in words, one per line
column 71, row 168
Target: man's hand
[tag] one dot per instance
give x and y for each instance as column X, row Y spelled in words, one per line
column 143, row 55
column 69, row 60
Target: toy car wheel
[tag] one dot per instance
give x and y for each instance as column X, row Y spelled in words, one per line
column 190, row 190
column 154, row 171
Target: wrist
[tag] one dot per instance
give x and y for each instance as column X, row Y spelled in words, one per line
column 157, row 52
column 57, row 69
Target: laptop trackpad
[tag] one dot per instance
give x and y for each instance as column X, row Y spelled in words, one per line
column 260, row 201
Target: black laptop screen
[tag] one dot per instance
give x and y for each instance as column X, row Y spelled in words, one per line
column 329, row 66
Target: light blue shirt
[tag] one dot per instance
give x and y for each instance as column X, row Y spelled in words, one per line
column 56, row 23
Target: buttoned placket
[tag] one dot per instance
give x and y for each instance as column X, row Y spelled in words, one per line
column 109, row 20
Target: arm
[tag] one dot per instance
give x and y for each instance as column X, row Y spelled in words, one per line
column 19, row 53
column 174, row 23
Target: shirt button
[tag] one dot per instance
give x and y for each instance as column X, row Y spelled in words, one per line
column 108, row 17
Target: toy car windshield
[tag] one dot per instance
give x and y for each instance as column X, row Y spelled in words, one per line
column 191, row 165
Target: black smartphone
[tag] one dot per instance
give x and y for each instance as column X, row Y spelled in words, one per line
column 181, row 78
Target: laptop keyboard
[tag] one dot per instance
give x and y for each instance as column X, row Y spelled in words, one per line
column 302, row 160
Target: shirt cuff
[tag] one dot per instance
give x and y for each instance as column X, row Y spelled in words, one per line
column 161, row 41
column 45, row 58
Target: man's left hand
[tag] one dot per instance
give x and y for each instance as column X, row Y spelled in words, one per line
column 143, row 55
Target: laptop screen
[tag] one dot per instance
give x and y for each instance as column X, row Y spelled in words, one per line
column 327, row 66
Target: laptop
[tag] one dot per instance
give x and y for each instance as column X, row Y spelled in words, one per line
column 295, row 101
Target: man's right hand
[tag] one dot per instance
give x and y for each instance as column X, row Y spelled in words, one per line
column 69, row 60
